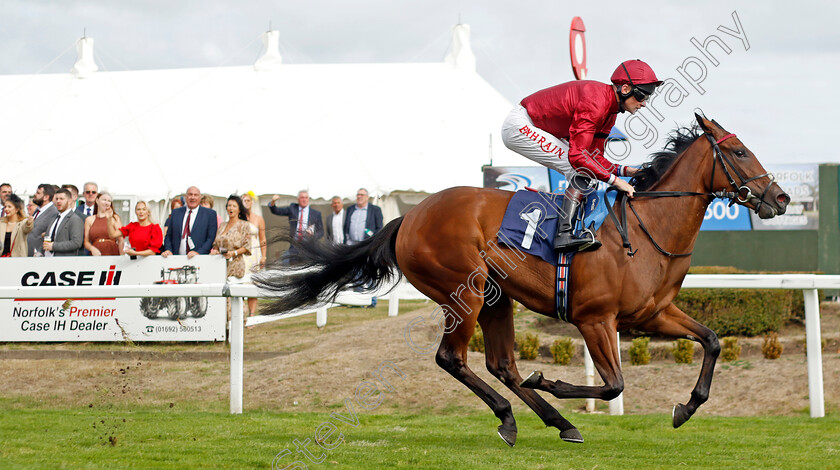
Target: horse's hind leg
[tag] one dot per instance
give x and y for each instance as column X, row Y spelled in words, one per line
column 497, row 324
column 452, row 357
column 602, row 341
column 452, row 352
column 674, row 322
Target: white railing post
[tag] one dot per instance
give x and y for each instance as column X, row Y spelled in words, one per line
column 321, row 316
column 393, row 304
column 617, row 403
column 589, row 371
column 236, row 354
column 813, row 348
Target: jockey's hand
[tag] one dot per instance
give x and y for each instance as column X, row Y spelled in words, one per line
column 624, row 186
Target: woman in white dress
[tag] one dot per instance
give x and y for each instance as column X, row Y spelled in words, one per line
column 256, row 260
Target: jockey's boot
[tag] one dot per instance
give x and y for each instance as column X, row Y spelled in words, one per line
column 566, row 241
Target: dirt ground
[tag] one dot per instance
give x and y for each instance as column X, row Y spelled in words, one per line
column 293, row 366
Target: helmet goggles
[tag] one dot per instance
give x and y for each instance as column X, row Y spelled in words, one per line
column 640, row 92
column 643, row 92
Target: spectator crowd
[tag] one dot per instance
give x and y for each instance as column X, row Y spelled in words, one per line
column 56, row 221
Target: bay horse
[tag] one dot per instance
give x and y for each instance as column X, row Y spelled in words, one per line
column 447, row 248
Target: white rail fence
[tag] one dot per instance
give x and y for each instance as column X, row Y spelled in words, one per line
column 808, row 283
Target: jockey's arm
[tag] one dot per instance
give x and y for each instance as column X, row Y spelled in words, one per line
column 594, row 164
column 586, row 151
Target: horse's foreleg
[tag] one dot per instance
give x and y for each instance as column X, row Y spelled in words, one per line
column 497, row 324
column 674, row 322
column 602, row 341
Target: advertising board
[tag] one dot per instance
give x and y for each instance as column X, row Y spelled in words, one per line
column 107, row 318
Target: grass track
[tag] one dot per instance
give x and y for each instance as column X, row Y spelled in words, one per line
column 177, row 438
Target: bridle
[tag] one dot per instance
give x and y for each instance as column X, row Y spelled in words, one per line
column 740, row 194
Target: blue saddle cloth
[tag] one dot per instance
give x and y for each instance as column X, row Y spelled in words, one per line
column 530, row 225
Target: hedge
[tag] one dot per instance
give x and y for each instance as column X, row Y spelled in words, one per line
column 745, row 312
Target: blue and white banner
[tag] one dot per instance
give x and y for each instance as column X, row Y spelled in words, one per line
column 107, row 318
column 801, row 182
column 720, row 215
column 515, row 178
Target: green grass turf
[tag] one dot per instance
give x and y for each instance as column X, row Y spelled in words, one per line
column 166, row 437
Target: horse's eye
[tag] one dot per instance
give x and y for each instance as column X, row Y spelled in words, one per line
column 740, row 153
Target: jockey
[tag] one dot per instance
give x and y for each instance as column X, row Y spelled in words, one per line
column 565, row 128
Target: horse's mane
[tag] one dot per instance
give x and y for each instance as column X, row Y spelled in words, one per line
column 678, row 140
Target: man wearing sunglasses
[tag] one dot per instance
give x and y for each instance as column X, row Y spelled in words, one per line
column 85, row 209
column 90, row 191
column 565, row 128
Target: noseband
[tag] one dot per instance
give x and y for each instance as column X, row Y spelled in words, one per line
column 740, row 194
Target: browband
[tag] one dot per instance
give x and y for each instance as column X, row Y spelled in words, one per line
column 725, row 137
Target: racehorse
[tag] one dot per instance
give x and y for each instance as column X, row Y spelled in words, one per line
column 447, row 248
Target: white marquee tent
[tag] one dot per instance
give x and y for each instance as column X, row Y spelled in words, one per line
column 271, row 128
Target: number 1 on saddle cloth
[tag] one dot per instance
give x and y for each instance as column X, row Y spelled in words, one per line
column 530, row 223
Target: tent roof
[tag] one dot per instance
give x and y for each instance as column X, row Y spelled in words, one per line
column 328, row 128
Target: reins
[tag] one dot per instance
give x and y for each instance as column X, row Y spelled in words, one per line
column 624, row 201
column 621, row 225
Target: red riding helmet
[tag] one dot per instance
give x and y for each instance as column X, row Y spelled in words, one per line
column 639, row 76
column 634, row 72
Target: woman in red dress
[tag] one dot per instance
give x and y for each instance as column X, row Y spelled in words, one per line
column 98, row 238
column 144, row 237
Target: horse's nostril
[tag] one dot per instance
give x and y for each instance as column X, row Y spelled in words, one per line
column 783, row 199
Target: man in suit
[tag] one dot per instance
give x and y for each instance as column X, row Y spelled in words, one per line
column 74, row 192
column 303, row 220
column 67, row 232
column 191, row 228
column 91, row 190
column 360, row 223
column 334, row 226
column 362, row 219
column 42, row 218
column 5, row 190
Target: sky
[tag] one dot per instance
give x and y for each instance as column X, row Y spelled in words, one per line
column 772, row 88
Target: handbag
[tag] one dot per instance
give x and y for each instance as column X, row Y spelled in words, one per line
column 9, row 254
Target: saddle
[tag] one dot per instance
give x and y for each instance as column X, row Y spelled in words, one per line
column 530, row 224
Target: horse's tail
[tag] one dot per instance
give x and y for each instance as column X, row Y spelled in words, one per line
column 321, row 270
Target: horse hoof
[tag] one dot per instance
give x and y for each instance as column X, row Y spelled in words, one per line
column 532, row 380
column 507, row 435
column 571, row 435
column 680, row 415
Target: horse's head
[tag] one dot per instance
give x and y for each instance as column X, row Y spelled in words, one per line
column 736, row 169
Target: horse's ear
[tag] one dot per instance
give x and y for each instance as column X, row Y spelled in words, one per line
column 704, row 123
column 719, row 126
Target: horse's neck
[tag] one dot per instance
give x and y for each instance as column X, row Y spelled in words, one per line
column 674, row 222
